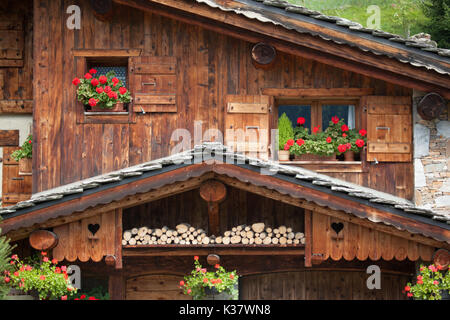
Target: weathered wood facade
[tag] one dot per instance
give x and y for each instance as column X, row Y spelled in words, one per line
column 189, row 66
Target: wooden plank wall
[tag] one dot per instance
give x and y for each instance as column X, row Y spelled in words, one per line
column 357, row 242
column 15, row 188
column 239, row 207
column 16, row 88
column 321, row 285
column 210, row 67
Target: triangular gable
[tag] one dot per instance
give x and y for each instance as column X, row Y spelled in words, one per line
column 186, row 171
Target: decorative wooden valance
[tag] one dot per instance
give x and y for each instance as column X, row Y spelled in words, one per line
column 337, row 239
column 92, row 238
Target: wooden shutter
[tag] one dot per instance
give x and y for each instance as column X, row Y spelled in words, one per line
column 153, row 83
column 247, row 124
column 15, row 188
column 389, row 128
column 11, row 40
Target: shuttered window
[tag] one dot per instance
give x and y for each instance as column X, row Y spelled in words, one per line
column 153, row 84
column 389, row 128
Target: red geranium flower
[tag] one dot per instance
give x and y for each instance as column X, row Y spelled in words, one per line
column 54, row 261
column 92, row 102
column 409, row 294
column 217, row 266
column 107, row 89
column 329, row 140
column 286, row 148
column 344, row 127
column 316, row 129
column 103, row 79
column 290, row 142
column 300, row 142
column 16, row 274
column 115, row 80
column 195, row 258
column 189, row 291
column 64, row 298
column 301, row 121
column 231, row 276
column 7, row 279
column 99, row 89
column 88, row 76
column 359, row 143
column 76, row 81
column 42, row 277
column 122, row 90
column 335, row 119
column 181, row 283
column 94, row 82
column 407, row 288
column 45, row 259
column 362, row 132
column 205, row 280
column 92, row 71
column 92, row 298
column 342, row 148
column 43, row 253
column 112, row 95
column 344, row 135
column 82, row 296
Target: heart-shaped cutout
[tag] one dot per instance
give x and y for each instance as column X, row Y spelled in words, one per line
column 93, row 228
column 337, row 227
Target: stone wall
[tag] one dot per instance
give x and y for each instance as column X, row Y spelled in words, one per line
column 431, row 160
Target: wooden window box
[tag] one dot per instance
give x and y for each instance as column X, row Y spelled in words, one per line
column 328, row 166
column 191, row 250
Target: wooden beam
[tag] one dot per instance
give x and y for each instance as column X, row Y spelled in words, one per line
column 106, row 52
column 318, row 93
column 308, row 238
column 118, row 238
column 16, row 106
column 305, row 45
column 191, row 250
column 9, row 138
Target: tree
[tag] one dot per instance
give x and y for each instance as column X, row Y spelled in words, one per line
column 438, row 26
column 5, row 255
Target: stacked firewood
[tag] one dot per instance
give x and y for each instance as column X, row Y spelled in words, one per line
column 255, row 234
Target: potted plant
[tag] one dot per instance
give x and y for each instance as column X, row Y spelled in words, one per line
column 44, row 280
column 24, row 157
column 432, row 283
column 212, row 285
column 105, row 93
column 285, row 133
column 346, row 141
column 311, row 147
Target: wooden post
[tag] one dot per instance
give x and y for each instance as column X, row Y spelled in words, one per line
column 308, row 238
column 116, row 285
column 213, row 192
column 118, row 239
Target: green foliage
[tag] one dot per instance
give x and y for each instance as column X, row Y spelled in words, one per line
column 438, row 25
column 25, row 151
column 429, row 283
column 337, row 138
column 102, row 92
column 285, row 130
column 45, row 278
column 200, row 278
column 5, row 266
column 403, row 17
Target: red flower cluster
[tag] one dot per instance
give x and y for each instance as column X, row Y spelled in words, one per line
column 300, row 142
column 335, row 119
column 316, row 129
column 301, row 121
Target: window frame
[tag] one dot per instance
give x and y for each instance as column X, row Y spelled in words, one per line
column 316, row 108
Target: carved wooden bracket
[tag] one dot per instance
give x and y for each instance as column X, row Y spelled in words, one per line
column 43, row 240
column 213, row 192
column 263, row 55
column 102, row 9
column 431, row 106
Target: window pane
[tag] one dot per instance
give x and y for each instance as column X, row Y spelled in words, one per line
column 346, row 112
column 121, row 72
column 294, row 112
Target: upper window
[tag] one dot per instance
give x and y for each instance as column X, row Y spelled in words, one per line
column 318, row 113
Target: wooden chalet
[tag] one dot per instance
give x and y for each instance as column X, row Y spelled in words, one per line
column 207, row 66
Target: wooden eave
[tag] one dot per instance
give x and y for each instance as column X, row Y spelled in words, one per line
column 181, row 178
column 345, row 50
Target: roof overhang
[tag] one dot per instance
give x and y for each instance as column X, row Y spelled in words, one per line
column 162, row 179
column 311, row 38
